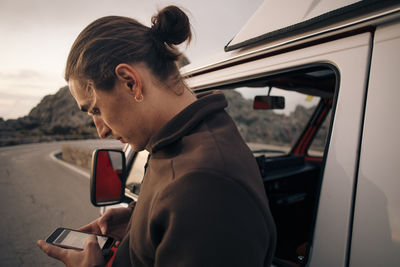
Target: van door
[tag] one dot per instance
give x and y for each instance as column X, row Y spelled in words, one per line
column 332, row 235
column 350, row 57
column 376, row 228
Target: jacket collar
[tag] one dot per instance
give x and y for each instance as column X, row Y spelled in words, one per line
column 207, row 103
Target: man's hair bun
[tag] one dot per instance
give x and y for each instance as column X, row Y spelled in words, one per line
column 171, row 25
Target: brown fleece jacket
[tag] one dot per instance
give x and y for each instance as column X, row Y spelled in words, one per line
column 202, row 201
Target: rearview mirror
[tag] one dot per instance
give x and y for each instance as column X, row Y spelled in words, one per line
column 107, row 180
column 269, row 102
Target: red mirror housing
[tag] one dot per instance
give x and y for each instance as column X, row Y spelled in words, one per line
column 108, row 177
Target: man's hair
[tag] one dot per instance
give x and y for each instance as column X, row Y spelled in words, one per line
column 113, row 40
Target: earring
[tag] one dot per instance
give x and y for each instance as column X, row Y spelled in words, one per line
column 140, row 99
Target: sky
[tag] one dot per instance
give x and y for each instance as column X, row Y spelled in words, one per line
column 35, row 38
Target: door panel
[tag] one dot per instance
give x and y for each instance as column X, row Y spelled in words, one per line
column 333, row 219
column 351, row 56
column 376, row 229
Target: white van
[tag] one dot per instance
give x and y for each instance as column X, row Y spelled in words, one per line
column 328, row 158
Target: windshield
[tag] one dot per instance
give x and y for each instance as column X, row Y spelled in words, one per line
column 270, row 132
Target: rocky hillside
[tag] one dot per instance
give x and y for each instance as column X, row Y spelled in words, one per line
column 56, row 117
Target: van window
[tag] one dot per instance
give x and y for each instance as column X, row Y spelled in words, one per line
column 289, row 146
column 271, row 131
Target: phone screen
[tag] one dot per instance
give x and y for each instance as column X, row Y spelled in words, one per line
column 70, row 238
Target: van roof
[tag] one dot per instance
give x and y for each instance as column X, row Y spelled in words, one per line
column 276, row 19
column 281, row 24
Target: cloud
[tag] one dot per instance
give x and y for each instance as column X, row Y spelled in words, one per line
column 21, row 90
column 15, row 106
column 11, row 97
column 29, row 77
column 21, row 74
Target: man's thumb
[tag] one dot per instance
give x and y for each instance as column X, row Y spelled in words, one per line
column 91, row 241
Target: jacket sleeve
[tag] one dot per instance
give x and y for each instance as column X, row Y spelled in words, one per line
column 205, row 219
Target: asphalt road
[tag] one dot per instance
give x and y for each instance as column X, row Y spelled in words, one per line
column 37, row 195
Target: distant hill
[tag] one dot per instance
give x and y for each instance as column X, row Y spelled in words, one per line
column 56, row 117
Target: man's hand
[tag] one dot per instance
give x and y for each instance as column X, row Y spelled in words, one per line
column 90, row 256
column 113, row 222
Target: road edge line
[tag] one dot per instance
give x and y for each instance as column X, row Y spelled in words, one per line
column 68, row 165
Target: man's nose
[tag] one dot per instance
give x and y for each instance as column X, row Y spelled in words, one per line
column 102, row 129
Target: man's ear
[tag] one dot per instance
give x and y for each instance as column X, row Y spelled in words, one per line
column 129, row 77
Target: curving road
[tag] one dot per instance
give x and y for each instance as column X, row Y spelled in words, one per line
column 38, row 194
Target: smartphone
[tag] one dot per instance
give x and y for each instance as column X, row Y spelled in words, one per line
column 74, row 239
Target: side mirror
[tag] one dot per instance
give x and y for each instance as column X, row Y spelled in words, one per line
column 269, row 102
column 108, row 177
